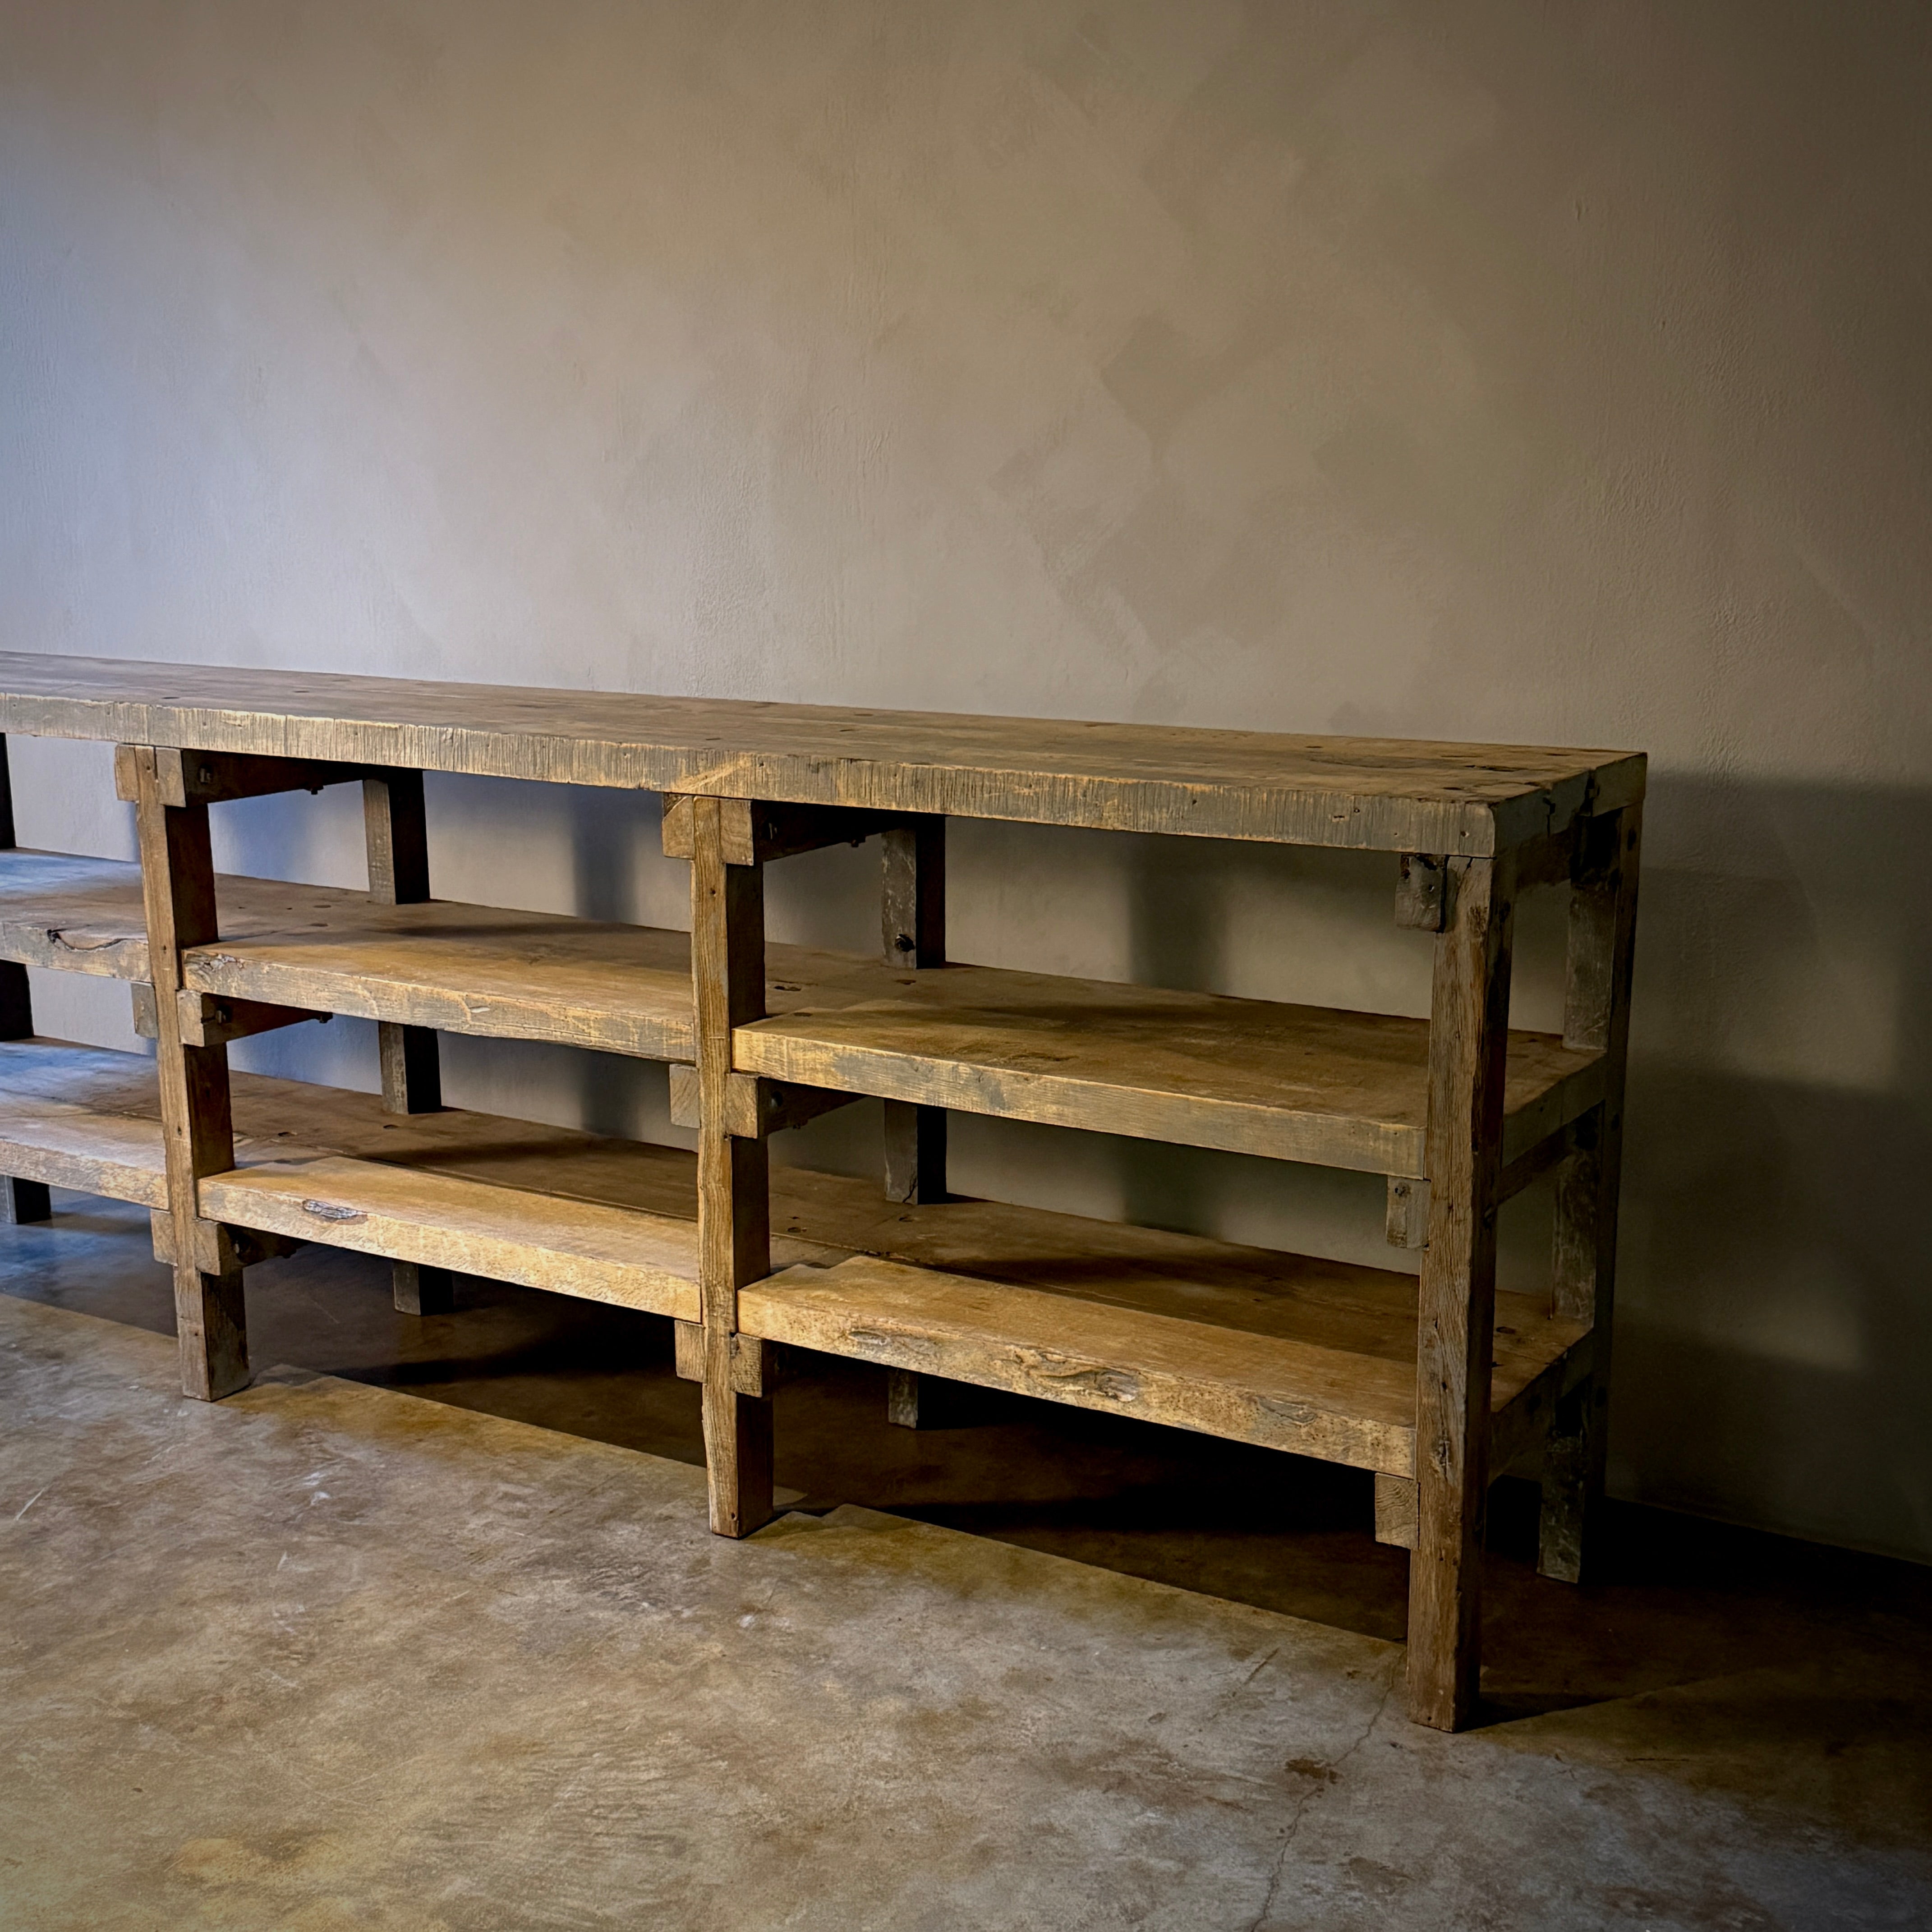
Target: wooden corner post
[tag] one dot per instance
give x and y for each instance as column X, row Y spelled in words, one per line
column 20, row 1200
column 913, row 933
column 1596, row 1015
column 913, row 929
column 198, row 1137
column 398, row 842
column 728, row 965
column 1468, row 1038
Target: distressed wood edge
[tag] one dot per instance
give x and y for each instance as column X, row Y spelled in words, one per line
column 1392, row 821
column 754, row 1107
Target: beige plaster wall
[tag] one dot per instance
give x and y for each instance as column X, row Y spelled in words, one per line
column 1487, row 370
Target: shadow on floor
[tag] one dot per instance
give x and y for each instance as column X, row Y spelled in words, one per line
column 1724, row 1655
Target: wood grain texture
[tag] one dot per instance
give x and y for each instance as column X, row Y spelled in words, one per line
column 72, row 914
column 1388, row 794
column 177, row 892
column 1299, row 1083
column 207, row 1021
column 410, row 1065
column 727, row 962
column 1398, row 1510
column 60, row 1143
column 632, row 1259
column 1252, row 1076
column 1310, row 1357
column 97, row 1112
column 912, row 935
column 1469, row 1026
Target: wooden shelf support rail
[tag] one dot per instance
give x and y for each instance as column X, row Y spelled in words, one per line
column 198, row 1136
column 397, row 837
column 728, row 961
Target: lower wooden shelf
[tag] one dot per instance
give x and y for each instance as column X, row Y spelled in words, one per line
column 608, row 1220
column 1286, row 1350
column 1283, row 1351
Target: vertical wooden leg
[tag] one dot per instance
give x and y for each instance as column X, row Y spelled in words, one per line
column 913, row 932
column 397, row 837
column 178, row 887
column 20, row 1200
column 1603, row 944
column 727, row 963
column 1456, row 1332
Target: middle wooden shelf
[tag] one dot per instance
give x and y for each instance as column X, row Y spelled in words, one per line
column 1324, row 1085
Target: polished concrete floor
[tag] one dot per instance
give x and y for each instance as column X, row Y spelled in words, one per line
column 332, row 1655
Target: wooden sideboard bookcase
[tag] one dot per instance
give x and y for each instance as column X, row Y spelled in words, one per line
column 1419, row 1382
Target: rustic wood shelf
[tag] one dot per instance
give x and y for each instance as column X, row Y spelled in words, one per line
column 1435, row 1384
column 1312, row 1084
column 1281, row 1350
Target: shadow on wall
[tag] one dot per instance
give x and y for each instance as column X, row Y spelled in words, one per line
column 1774, row 1335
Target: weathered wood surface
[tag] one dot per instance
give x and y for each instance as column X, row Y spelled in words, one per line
column 1332, row 1378
column 1298, row 1083
column 183, row 777
column 1354, row 1327
column 728, row 974
column 598, row 1253
column 197, row 1130
column 72, row 914
column 449, row 968
column 408, row 1059
column 86, row 1101
column 1390, row 794
column 1252, row 1076
column 60, row 1145
column 1469, row 1032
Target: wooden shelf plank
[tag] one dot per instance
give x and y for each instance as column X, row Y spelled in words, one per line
column 1284, row 1350
column 1389, row 794
column 501, row 972
column 1288, row 1351
column 1252, row 1076
column 620, row 1255
column 72, row 914
column 1276, row 1379
column 456, row 968
column 61, row 1145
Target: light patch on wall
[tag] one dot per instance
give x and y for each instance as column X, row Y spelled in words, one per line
column 1396, row 110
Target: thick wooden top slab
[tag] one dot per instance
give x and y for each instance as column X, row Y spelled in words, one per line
column 1389, row 794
